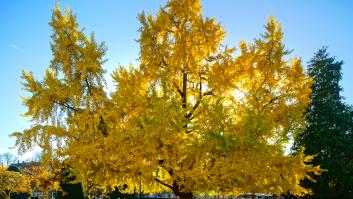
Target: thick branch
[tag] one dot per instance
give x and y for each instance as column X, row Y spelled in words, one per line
column 184, row 96
column 189, row 115
column 163, row 183
column 178, row 89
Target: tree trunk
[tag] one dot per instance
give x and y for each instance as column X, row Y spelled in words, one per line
column 8, row 194
column 184, row 195
column 177, row 189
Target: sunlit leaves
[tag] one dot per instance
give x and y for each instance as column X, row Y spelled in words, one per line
column 193, row 117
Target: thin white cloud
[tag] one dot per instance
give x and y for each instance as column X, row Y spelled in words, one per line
column 14, row 46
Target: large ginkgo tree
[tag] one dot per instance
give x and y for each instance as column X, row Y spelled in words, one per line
column 194, row 117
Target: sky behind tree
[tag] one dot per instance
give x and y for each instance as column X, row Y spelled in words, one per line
column 25, row 38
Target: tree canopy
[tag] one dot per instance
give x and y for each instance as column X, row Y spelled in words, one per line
column 193, row 117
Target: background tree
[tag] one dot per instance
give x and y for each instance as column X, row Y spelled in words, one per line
column 9, row 158
column 2, row 161
column 67, row 107
column 329, row 131
column 20, row 194
column 13, row 182
column 193, row 117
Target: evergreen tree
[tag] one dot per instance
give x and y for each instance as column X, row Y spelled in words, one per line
column 329, row 131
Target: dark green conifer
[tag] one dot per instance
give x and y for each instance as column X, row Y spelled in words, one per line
column 329, row 130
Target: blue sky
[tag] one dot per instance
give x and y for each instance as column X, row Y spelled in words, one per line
column 25, row 37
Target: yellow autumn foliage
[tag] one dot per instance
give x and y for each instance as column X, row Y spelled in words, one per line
column 13, row 182
column 193, row 117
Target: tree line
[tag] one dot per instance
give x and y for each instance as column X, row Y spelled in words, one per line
column 8, row 159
